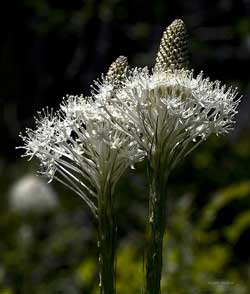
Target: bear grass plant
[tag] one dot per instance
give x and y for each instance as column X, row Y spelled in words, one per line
column 159, row 115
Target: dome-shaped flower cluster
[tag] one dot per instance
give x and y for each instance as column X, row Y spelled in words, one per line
column 173, row 110
column 80, row 147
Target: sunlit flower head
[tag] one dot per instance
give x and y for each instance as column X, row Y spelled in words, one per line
column 80, row 147
column 172, row 111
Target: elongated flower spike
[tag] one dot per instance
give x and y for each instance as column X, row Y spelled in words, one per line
column 169, row 112
column 173, row 51
column 80, row 147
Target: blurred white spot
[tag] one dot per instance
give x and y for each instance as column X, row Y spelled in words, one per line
column 32, row 194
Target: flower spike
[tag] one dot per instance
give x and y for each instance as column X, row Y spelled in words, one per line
column 173, row 51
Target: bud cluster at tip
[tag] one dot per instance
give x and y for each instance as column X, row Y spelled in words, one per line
column 173, row 51
column 117, row 71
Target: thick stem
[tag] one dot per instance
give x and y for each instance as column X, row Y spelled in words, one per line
column 157, row 176
column 106, row 242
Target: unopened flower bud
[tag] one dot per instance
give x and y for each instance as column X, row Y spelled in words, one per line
column 173, row 51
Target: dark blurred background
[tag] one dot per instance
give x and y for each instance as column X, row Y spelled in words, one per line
column 51, row 48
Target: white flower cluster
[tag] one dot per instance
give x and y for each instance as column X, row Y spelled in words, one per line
column 90, row 142
column 172, row 111
column 80, row 147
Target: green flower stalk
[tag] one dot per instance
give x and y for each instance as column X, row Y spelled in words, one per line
column 170, row 112
column 157, row 178
column 79, row 147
